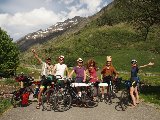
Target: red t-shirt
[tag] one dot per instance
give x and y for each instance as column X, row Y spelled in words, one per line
column 93, row 74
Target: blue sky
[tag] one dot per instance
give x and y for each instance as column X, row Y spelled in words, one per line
column 20, row 17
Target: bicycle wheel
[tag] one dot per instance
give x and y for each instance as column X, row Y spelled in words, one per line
column 63, row 101
column 47, row 100
column 16, row 99
column 91, row 100
column 108, row 95
column 124, row 99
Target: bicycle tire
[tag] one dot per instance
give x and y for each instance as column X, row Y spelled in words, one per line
column 107, row 97
column 90, row 100
column 63, row 101
column 16, row 99
column 124, row 99
column 48, row 102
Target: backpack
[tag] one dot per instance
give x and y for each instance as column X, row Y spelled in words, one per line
column 25, row 99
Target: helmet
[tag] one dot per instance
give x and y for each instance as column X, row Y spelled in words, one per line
column 134, row 61
column 22, row 73
column 79, row 60
column 61, row 57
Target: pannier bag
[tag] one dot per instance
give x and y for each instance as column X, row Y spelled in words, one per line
column 25, row 99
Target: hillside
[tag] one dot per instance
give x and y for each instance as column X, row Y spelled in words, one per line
column 105, row 33
column 42, row 36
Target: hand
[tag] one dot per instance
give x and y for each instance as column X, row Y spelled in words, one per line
column 33, row 50
column 84, row 80
column 91, row 77
column 115, row 77
column 150, row 63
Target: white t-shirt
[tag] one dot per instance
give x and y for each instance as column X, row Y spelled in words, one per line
column 60, row 69
column 46, row 69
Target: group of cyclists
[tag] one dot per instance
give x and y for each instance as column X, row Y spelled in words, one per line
column 108, row 72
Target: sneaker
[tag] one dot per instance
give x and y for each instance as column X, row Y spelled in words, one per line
column 38, row 106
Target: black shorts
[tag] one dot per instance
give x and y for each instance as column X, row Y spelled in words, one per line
column 107, row 79
column 46, row 82
column 61, row 83
column 133, row 83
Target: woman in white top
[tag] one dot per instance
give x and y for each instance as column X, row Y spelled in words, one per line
column 60, row 69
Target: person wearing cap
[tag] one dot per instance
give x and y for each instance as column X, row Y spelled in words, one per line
column 60, row 69
column 80, row 72
column 135, row 80
column 46, row 75
column 108, row 73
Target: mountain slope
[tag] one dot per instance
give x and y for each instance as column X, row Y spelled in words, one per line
column 100, row 36
column 52, row 32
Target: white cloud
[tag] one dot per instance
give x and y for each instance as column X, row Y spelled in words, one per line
column 3, row 19
column 32, row 20
column 21, row 17
column 80, row 9
column 67, row 2
column 91, row 5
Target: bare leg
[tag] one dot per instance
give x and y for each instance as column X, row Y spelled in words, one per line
column 136, row 95
column 132, row 95
column 39, row 95
column 78, row 91
column 102, row 90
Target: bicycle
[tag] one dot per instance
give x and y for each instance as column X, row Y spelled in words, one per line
column 56, row 97
column 87, row 94
column 125, row 98
column 111, row 91
column 17, row 97
column 63, row 98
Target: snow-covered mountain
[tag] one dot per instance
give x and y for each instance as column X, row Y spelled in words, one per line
column 53, row 31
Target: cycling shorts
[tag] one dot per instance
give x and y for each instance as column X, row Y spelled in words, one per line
column 46, row 82
column 61, row 83
column 134, row 81
column 133, row 84
column 107, row 79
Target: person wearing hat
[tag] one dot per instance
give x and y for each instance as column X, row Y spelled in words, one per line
column 60, row 69
column 46, row 75
column 80, row 72
column 108, row 73
column 135, row 80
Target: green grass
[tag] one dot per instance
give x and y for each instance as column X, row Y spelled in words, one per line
column 122, row 58
column 4, row 105
column 151, row 94
column 9, row 81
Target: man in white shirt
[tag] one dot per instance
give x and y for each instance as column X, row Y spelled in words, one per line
column 46, row 74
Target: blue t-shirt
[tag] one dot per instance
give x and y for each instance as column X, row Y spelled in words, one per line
column 134, row 72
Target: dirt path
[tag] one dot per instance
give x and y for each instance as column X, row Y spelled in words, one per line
column 101, row 112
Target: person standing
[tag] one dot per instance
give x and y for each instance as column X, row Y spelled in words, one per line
column 60, row 70
column 108, row 73
column 135, row 80
column 80, row 72
column 92, row 70
column 93, row 78
column 46, row 75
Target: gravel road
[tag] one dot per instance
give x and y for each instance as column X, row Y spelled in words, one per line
column 101, row 112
